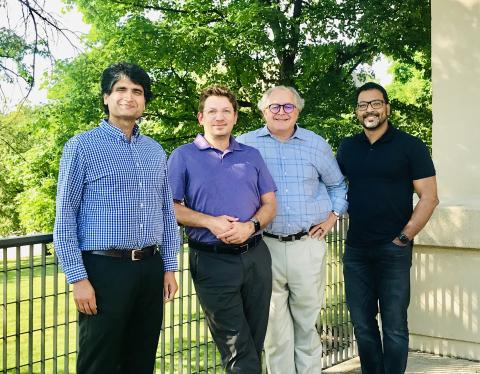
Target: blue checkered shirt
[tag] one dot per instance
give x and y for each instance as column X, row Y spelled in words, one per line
column 309, row 182
column 113, row 193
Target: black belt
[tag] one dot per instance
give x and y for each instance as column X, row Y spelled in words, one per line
column 227, row 249
column 132, row 254
column 287, row 238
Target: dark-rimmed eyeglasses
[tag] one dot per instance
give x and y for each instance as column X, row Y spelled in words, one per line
column 287, row 108
column 375, row 104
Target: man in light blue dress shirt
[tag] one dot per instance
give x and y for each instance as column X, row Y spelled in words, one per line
column 115, row 232
column 311, row 195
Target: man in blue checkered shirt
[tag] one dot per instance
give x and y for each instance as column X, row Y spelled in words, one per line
column 115, row 232
column 311, row 194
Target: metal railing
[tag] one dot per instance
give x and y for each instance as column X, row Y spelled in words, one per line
column 39, row 331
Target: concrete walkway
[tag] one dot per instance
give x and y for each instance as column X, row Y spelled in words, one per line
column 418, row 363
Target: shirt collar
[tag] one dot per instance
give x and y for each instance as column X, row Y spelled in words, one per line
column 386, row 137
column 299, row 132
column 203, row 144
column 116, row 132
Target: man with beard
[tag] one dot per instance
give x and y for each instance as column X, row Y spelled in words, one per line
column 384, row 166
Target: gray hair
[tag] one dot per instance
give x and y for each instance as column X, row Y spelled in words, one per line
column 299, row 102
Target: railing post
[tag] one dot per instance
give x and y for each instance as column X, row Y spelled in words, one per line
column 4, row 311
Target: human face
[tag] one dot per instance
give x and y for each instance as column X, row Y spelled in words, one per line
column 218, row 117
column 126, row 102
column 281, row 123
column 372, row 119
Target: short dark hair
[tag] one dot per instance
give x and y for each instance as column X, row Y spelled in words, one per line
column 372, row 86
column 217, row 91
column 119, row 70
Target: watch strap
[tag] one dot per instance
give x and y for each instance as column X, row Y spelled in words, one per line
column 256, row 224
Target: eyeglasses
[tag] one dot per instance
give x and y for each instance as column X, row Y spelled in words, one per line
column 375, row 104
column 287, row 108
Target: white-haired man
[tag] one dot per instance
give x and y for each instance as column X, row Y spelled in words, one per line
column 311, row 195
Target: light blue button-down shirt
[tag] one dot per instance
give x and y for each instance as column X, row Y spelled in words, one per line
column 113, row 193
column 309, row 182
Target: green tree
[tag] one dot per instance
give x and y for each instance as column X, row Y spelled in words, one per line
column 412, row 97
column 246, row 45
column 27, row 30
column 29, row 168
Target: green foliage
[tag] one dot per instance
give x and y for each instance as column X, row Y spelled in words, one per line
column 247, row 45
column 412, row 97
column 30, row 157
column 13, row 48
column 26, row 32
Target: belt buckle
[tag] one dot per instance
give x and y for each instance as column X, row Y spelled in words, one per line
column 280, row 238
column 133, row 254
column 243, row 248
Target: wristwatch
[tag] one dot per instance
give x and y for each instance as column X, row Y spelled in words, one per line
column 336, row 213
column 404, row 239
column 256, row 224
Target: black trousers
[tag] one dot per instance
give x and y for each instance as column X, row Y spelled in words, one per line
column 234, row 291
column 123, row 336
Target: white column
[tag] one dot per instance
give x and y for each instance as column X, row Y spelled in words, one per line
column 445, row 309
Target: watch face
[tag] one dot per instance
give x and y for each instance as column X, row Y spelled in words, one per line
column 403, row 238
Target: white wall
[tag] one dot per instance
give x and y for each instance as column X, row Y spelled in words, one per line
column 445, row 307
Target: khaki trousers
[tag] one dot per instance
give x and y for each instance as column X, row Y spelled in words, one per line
column 292, row 344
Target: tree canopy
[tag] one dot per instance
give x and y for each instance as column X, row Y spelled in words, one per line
column 315, row 46
column 27, row 30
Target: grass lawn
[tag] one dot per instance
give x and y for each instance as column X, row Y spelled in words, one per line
column 34, row 289
column 36, row 292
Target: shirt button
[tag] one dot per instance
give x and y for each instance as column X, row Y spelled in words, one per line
column 286, row 189
column 140, row 184
column 137, row 164
column 141, row 225
column 141, row 205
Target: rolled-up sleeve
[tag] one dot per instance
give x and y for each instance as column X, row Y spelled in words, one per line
column 334, row 181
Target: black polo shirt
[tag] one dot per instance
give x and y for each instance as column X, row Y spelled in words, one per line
column 380, row 177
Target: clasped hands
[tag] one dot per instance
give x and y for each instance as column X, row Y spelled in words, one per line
column 229, row 230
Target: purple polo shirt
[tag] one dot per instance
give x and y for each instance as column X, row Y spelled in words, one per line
column 216, row 183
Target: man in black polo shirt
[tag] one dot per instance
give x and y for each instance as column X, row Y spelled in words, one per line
column 384, row 166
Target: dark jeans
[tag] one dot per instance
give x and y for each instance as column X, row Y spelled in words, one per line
column 378, row 277
column 234, row 291
column 123, row 336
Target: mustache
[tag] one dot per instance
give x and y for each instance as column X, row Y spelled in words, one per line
column 371, row 114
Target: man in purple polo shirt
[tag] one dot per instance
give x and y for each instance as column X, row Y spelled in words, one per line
column 224, row 195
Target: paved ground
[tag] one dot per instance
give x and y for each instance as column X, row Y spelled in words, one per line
column 418, row 363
